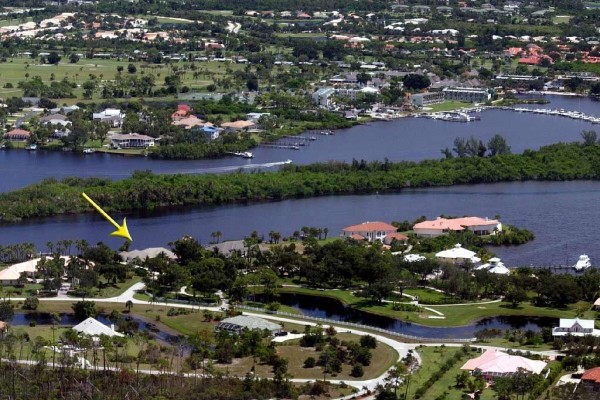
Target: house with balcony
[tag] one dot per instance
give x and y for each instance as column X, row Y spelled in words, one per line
column 370, row 231
column 131, row 141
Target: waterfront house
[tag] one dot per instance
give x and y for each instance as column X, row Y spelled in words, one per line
column 441, row 226
column 370, row 231
column 494, row 363
column 457, row 255
column 209, row 132
column 189, row 122
column 112, row 116
column 237, row 126
column 17, row 135
column 132, row 140
column 575, row 327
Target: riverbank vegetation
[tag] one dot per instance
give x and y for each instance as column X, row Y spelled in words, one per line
column 147, row 191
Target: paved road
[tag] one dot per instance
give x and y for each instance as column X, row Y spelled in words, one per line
column 370, row 384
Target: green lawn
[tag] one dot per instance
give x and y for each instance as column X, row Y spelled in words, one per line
column 383, row 358
column 433, row 358
column 428, row 296
column 463, row 315
column 562, row 19
column 15, row 69
column 455, row 315
column 447, row 106
column 282, row 308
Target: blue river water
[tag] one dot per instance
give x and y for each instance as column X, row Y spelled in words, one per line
column 562, row 215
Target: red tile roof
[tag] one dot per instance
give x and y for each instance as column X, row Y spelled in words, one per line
column 370, row 227
column 356, row 236
column 592, row 375
column 397, row 236
column 17, row 132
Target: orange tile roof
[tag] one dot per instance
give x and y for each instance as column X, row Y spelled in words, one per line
column 591, row 375
column 454, row 224
column 356, row 236
column 18, row 132
column 397, row 236
column 370, row 226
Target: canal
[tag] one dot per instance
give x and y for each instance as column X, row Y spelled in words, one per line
column 324, row 307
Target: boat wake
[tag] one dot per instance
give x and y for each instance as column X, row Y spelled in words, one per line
column 233, row 168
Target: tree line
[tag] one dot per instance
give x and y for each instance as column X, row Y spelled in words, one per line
column 147, row 191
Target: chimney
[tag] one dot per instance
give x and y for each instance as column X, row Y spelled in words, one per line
column 112, row 327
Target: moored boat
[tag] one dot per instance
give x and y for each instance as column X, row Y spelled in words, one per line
column 583, row 263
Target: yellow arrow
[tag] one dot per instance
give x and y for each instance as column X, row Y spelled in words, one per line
column 121, row 231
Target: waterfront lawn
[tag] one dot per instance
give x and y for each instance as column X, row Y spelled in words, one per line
column 447, row 106
column 465, row 314
column 282, row 308
column 362, row 303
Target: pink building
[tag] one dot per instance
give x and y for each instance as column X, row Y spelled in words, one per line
column 442, row 226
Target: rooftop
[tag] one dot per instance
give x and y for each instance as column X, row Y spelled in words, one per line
column 249, row 322
column 369, row 227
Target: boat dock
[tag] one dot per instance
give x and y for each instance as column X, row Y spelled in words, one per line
column 280, row 146
column 560, row 113
column 305, row 138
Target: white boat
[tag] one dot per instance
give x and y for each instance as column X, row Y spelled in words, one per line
column 583, row 263
column 243, row 154
column 31, row 147
column 88, row 151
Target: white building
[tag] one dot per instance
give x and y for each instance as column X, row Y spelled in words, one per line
column 132, row 140
column 575, row 327
column 370, row 231
column 94, row 328
column 322, row 97
column 457, row 255
column 112, row 116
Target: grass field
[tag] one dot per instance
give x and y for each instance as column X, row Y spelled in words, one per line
column 383, row 358
column 447, row 106
column 433, row 358
column 14, row 70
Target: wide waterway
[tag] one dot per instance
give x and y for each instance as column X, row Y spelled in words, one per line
column 561, row 214
column 403, row 139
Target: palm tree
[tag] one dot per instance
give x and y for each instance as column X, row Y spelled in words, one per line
column 129, row 305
